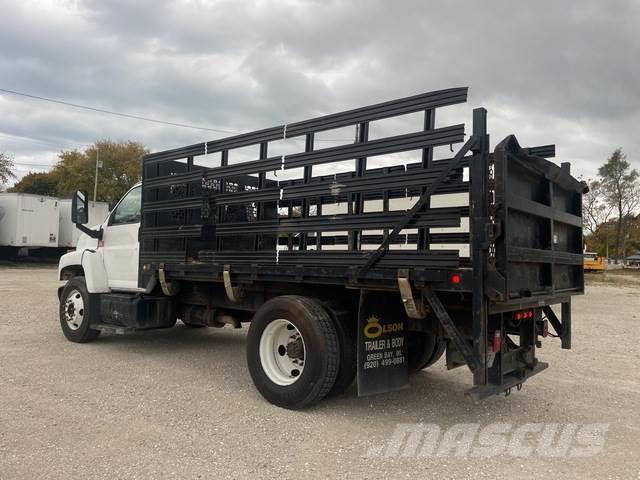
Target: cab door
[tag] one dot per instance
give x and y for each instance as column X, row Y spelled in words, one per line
column 120, row 246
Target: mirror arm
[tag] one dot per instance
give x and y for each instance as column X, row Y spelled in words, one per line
column 89, row 231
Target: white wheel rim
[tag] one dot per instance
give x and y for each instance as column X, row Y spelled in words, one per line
column 282, row 352
column 74, row 310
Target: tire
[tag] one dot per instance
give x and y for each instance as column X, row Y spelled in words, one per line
column 293, row 351
column 425, row 349
column 75, row 318
column 346, row 330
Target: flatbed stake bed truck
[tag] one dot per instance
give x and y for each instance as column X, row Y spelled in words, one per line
column 333, row 295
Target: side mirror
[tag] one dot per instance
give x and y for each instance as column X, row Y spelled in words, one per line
column 79, row 210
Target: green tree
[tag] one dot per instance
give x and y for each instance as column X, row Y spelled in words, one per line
column 6, row 168
column 121, row 168
column 602, row 239
column 621, row 190
column 75, row 170
column 40, row 183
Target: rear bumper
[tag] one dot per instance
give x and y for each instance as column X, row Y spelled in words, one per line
column 514, row 379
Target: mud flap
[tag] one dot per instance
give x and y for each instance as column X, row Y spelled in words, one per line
column 382, row 343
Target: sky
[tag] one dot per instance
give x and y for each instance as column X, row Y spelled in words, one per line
column 563, row 72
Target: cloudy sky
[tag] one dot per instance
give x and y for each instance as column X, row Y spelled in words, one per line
column 564, row 72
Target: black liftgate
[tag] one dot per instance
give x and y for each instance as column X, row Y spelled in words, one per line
column 524, row 214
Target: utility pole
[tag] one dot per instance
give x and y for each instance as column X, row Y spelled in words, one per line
column 95, row 185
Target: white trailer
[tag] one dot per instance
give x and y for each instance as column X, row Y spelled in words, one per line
column 27, row 220
column 68, row 233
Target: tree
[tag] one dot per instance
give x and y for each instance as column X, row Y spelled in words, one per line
column 6, row 168
column 600, row 240
column 121, row 168
column 634, row 236
column 621, row 190
column 76, row 170
column 40, row 183
column 595, row 210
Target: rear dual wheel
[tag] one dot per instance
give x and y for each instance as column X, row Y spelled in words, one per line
column 295, row 349
column 346, row 329
column 425, row 349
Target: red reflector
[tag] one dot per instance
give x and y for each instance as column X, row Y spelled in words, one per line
column 545, row 328
column 497, row 341
column 100, row 243
column 530, row 314
column 455, row 279
column 518, row 316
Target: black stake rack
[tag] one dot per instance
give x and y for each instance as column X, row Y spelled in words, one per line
column 202, row 214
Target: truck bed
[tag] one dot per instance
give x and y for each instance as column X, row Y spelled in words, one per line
column 203, row 215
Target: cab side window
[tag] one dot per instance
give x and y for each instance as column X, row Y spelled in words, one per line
column 128, row 210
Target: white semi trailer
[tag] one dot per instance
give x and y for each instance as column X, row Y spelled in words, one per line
column 28, row 221
column 38, row 223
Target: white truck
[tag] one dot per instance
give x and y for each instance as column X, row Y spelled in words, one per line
column 237, row 242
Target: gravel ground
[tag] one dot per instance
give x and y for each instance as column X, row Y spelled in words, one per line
column 179, row 403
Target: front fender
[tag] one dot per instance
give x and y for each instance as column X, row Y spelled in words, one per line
column 69, row 261
column 92, row 264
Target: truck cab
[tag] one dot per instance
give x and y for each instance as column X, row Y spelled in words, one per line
column 108, row 258
column 102, row 292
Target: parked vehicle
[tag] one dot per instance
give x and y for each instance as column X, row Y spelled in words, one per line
column 332, row 296
column 593, row 262
column 28, row 221
column 632, row 261
column 40, row 224
column 68, row 234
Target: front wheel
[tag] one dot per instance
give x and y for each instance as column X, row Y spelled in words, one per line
column 292, row 351
column 75, row 318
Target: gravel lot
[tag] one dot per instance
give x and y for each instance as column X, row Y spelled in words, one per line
column 179, row 403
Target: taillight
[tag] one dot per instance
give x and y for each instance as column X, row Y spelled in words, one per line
column 455, row 279
column 523, row 315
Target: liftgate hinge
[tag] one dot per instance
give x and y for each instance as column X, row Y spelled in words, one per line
column 235, row 294
column 415, row 308
column 168, row 288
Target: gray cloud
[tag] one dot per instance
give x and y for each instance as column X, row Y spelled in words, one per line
column 551, row 72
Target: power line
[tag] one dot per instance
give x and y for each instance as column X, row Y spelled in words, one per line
column 41, row 141
column 138, row 117
column 111, row 112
